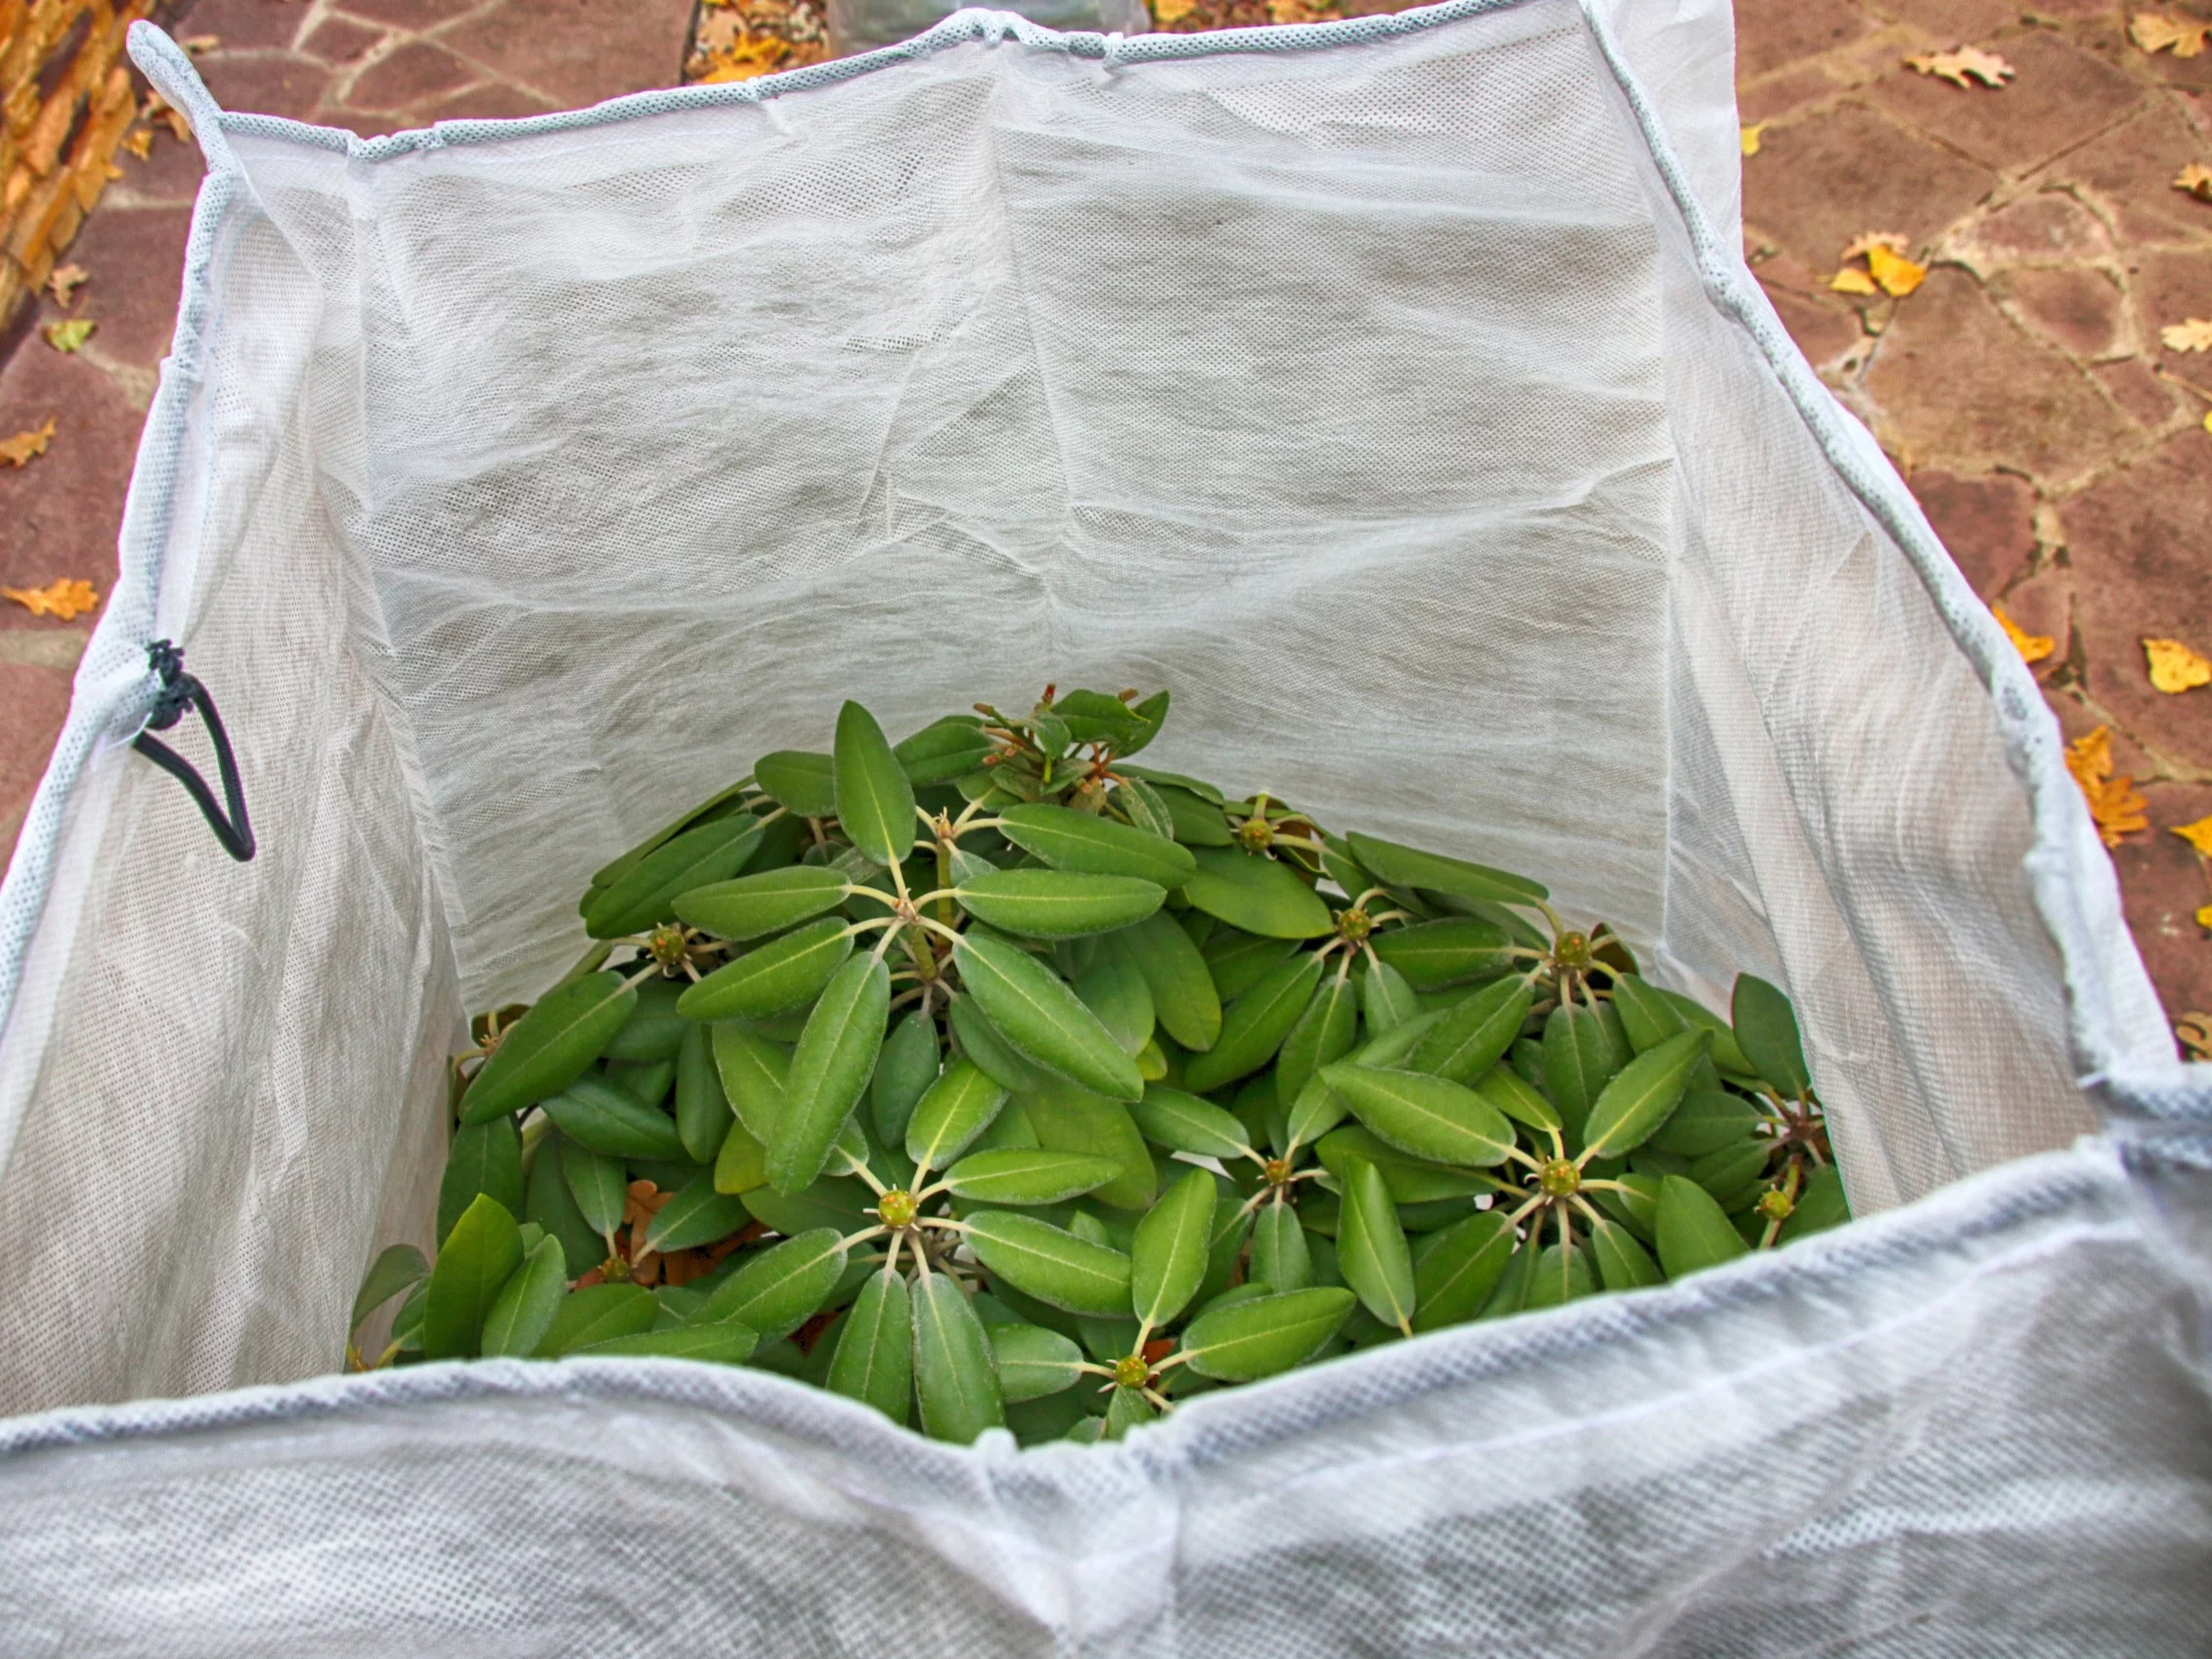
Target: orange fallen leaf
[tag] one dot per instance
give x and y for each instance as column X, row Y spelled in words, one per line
column 2113, row 804
column 1750, row 138
column 2174, row 667
column 17, row 451
column 64, row 599
column 2155, row 31
column 2199, row 835
column 1958, row 66
column 2204, row 921
column 1172, row 10
column 2196, row 180
column 1897, row 275
column 746, row 60
column 2192, row 334
column 2032, row 647
column 1300, row 12
column 138, row 141
column 70, row 335
column 1852, row 280
column 65, row 282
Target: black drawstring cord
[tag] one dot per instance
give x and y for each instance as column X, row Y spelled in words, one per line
column 181, row 692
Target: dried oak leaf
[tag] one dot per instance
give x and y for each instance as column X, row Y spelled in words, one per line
column 61, row 598
column 70, row 335
column 2032, row 647
column 2174, row 667
column 2191, row 334
column 2155, row 31
column 2199, row 835
column 2196, row 180
column 1968, row 64
column 2113, row 804
column 64, row 280
column 17, row 451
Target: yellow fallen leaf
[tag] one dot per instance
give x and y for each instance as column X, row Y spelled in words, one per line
column 2155, row 31
column 2199, row 835
column 199, row 44
column 2113, row 804
column 1172, row 10
column 2174, row 667
column 138, row 141
column 1853, row 281
column 2208, row 420
column 64, row 599
column 2195, row 1030
column 64, row 280
column 1750, row 138
column 2192, row 334
column 1897, row 275
column 1300, row 12
column 750, row 58
column 70, row 335
column 2196, row 179
column 1967, row 61
column 17, row 451
column 2032, row 647
column 2204, row 921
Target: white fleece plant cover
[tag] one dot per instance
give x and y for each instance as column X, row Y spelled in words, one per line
column 1394, row 391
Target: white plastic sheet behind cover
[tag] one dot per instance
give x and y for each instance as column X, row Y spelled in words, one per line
column 1394, row 392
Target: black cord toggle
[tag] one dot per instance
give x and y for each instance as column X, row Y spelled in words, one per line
column 181, row 692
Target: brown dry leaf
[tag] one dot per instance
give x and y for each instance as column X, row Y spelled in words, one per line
column 2195, row 1030
column 1750, row 138
column 1958, row 66
column 2199, row 835
column 1897, row 275
column 2155, row 31
column 64, row 599
column 138, row 141
column 2175, row 668
column 2192, row 334
column 2196, row 179
column 158, row 108
column 2113, row 804
column 68, row 337
column 1851, row 281
column 17, row 451
column 748, row 59
column 2032, row 647
column 719, row 30
column 64, row 280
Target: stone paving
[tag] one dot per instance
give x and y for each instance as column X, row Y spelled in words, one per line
column 2058, row 447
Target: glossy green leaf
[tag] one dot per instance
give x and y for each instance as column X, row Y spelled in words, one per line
column 1474, row 1033
column 956, row 1383
column 1411, row 1180
column 1732, row 1172
column 1259, row 1336
column 1371, row 1248
column 1431, row 1117
column 756, row 905
column 697, row 1214
column 1637, row 1100
column 786, row 973
column 904, row 1072
column 1281, row 1258
column 801, row 781
column 1110, row 985
column 1457, row 1270
column 598, row 1185
column 606, row 1119
column 1516, row 1097
column 1032, row 1361
column 483, row 1157
column 1622, row 1263
column 1646, row 1015
column 727, row 1341
column 1126, row 1409
column 943, row 751
column 1182, row 1122
column 548, row 1047
column 1432, row 955
column 1037, row 1013
column 1057, row 904
column 1578, row 1061
column 1254, row 1026
column 524, row 1310
column 1167, row 1259
column 782, row 1288
column 1387, row 998
column 1199, row 823
column 1142, row 806
column 741, row 1163
column 720, row 804
column 955, row 1110
column 654, row 1030
column 984, row 1043
column 1766, row 1029
column 1390, row 1049
column 1317, row 1110
column 1821, row 1204
column 1561, row 1274
column 829, row 1069
column 1066, row 1118
column 1085, row 844
column 1407, row 866
column 838, row 1203
column 1031, row 1176
column 1635, row 1205
column 597, row 1313
column 702, row 1110
column 1694, row 1232
column 1257, row 894
column 874, row 1362
column 1237, row 960
column 1512, row 1291
column 646, row 895
column 483, row 1248
column 1708, row 1120
column 550, row 1205
column 399, row 1267
column 1726, row 1054
column 1050, row 1263
column 1323, row 1034
column 644, row 1081
column 875, row 801
column 753, row 1073
column 1094, row 717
